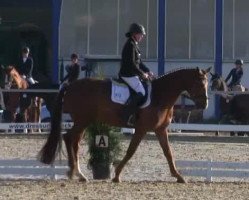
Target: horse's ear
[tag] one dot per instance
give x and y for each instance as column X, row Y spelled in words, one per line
column 208, row 70
column 199, row 70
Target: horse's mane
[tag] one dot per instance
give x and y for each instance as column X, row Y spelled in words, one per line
column 224, row 84
column 176, row 70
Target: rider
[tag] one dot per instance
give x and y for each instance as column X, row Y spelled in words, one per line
column 133, row 70
column 25, row 67
column 236, row 74
column 73, row 70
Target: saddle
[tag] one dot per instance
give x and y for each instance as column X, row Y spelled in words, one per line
column 238, row 87
column 121, row 92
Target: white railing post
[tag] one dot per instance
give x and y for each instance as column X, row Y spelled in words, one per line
column 209, row 171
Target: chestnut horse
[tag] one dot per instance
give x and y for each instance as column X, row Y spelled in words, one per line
column 232, row 107
column 26, row 101
column 89, row 100
column 32, row 114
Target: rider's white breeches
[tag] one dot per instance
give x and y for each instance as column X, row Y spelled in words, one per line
column 135, row 84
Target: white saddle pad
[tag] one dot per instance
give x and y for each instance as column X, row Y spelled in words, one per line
column 121, row 93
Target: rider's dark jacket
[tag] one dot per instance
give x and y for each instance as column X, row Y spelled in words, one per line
column 25, row 68
column 131, row 64
column 73, row 72
column 236, row 75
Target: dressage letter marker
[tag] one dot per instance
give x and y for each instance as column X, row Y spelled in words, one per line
column 101, row 141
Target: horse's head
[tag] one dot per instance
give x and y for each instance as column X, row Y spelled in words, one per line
column 15, row 77
column 8, row 69
column 198, row 88
column 217, row 83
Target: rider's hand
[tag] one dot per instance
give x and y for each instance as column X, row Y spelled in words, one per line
column 150, row 73
column 151, row 76
column 145, row 76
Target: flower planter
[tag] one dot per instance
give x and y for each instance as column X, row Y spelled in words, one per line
column 101, row 171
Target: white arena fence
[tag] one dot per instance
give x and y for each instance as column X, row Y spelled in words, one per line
column 197, row 128
column 173, row 126
column 32, row 169
column 213, row 169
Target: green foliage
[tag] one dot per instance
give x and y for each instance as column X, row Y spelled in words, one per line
column 99, row 155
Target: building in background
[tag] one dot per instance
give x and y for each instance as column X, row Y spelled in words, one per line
column 26, row 23
column 180, row 33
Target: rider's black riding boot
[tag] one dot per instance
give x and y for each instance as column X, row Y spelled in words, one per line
column 131, row 108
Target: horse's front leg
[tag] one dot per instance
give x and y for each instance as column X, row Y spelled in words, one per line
column 162, row 135
column 135, row 141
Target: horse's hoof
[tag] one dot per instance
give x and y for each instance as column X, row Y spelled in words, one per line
column 70, row 175
column 83, row 180
column 181, row 180
column 116, row 180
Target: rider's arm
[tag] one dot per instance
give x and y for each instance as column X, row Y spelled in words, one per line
column 143, row 67
column 28, row 68
column 238, row 77
column 68, row 69
column 229, row 75
column 65, row 78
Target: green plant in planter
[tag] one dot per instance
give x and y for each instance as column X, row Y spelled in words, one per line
column 103, row 147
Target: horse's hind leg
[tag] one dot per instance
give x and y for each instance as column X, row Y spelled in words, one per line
column 72, row 140
column 162, row 135
column 76, row 146
column 135, row 141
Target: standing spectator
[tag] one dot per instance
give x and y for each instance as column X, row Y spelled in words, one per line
column 25, row 66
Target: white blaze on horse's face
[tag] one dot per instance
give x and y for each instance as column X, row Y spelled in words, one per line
column 206, row 89
column 198, row 92
column 204, row 82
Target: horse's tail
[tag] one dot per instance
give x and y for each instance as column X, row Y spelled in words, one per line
column 48, row 152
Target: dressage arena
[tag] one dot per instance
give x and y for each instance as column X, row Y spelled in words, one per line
column 146, row 176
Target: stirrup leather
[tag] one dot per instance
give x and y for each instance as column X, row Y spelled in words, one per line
column 131, row 120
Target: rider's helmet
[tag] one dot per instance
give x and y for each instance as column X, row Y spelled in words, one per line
column 25, row 50
column 135, row 28
column 239, row 62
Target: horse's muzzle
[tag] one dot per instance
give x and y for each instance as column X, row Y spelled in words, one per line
column 201, row 103
column 202, row 106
